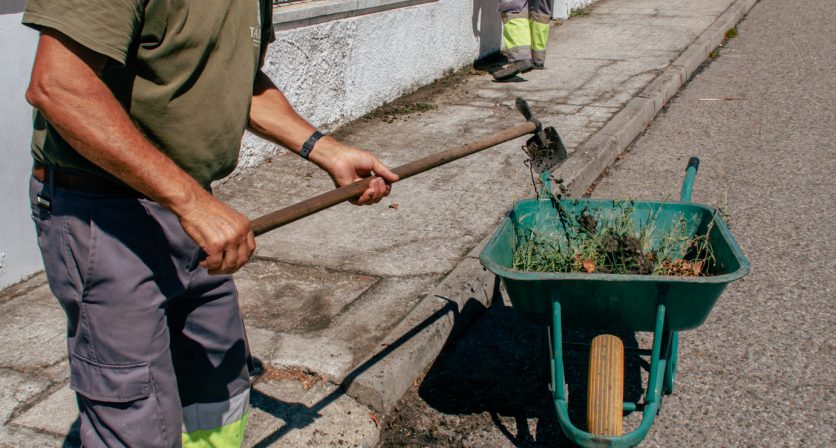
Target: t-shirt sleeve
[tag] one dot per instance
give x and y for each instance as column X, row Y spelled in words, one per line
column 107, row 27
column 268, row 34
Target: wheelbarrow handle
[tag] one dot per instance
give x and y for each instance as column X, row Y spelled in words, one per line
column 688, row 183
column 297, row 211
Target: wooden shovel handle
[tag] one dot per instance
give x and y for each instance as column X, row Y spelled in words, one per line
column 297, row 211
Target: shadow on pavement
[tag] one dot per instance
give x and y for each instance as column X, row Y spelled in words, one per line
column 72, row 439
column 499, row 371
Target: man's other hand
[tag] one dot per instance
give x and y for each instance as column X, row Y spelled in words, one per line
column 224, row 234
column 346, row 165
column 272, row 117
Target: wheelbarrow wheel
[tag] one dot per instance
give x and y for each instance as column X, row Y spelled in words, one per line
column 605, row 389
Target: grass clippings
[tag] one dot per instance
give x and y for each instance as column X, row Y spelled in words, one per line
column 731, row 33
column 416, row 108
column 611, row 244
column 582, row 11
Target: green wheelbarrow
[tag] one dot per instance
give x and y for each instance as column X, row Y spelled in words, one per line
column 664, row 305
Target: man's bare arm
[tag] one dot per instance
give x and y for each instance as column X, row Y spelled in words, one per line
column 66, row 87
column 272, row 117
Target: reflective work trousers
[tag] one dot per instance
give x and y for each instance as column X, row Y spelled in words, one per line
column 158, row 353
column 525, row 29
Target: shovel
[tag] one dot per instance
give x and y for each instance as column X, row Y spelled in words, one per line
column 544, row 149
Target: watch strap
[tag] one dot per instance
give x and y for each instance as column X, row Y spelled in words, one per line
column 308, row 146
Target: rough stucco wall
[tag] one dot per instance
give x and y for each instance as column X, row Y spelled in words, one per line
column 562, row 8
column 339, row 71
column 579, row 3
column 19, row 256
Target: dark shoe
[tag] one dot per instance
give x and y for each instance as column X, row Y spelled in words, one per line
column 539, row 66
column 512, row 69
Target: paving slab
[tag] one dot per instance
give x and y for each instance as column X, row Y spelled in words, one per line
column 388, row 302
column 36, row 324
column 18, row 389
column 56, row 414
column 286, row 414
column 293, row 298
column 325, row 325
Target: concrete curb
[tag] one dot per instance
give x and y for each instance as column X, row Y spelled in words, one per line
column 420, row 337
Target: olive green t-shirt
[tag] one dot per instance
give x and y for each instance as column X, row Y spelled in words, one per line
column 182, row 69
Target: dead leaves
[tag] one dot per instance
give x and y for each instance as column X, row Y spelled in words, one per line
column 683, row 268
column 588, row 266
column 373, row 417
column 307, row 378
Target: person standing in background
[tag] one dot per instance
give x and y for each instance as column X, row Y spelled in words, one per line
column 525, row 32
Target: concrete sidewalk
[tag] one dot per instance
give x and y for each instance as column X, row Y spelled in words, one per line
column 346, row 309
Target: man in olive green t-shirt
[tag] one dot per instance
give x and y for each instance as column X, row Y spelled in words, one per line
column 140, row 105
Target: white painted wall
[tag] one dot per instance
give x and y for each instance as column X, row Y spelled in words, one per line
column 19, row 256
column 339, row 71
column 562, row 8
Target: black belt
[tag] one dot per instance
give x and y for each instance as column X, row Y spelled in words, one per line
column 83, row 183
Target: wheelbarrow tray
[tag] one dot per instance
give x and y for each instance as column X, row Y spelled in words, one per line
column 614, row 301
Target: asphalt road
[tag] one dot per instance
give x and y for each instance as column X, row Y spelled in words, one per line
column 760, row 371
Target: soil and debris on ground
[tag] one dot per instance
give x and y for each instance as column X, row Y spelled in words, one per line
column 307, row 378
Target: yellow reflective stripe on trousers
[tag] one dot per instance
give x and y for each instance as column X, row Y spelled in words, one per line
column 230, row 435
column 516, row 33
column 216, row 425
column 539, row 35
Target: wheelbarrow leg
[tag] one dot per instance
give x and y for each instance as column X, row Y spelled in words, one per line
column 556, row 354
column 670, row 366
column 673, row 352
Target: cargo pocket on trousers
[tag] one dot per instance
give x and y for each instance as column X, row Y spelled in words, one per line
column 110, row 383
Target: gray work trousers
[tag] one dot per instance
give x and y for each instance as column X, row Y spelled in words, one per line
column 157, row 346
column 525, row 29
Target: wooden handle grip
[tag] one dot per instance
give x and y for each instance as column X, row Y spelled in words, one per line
column 297, row 211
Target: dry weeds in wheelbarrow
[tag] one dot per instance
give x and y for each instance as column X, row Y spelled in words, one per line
column 612, row 243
